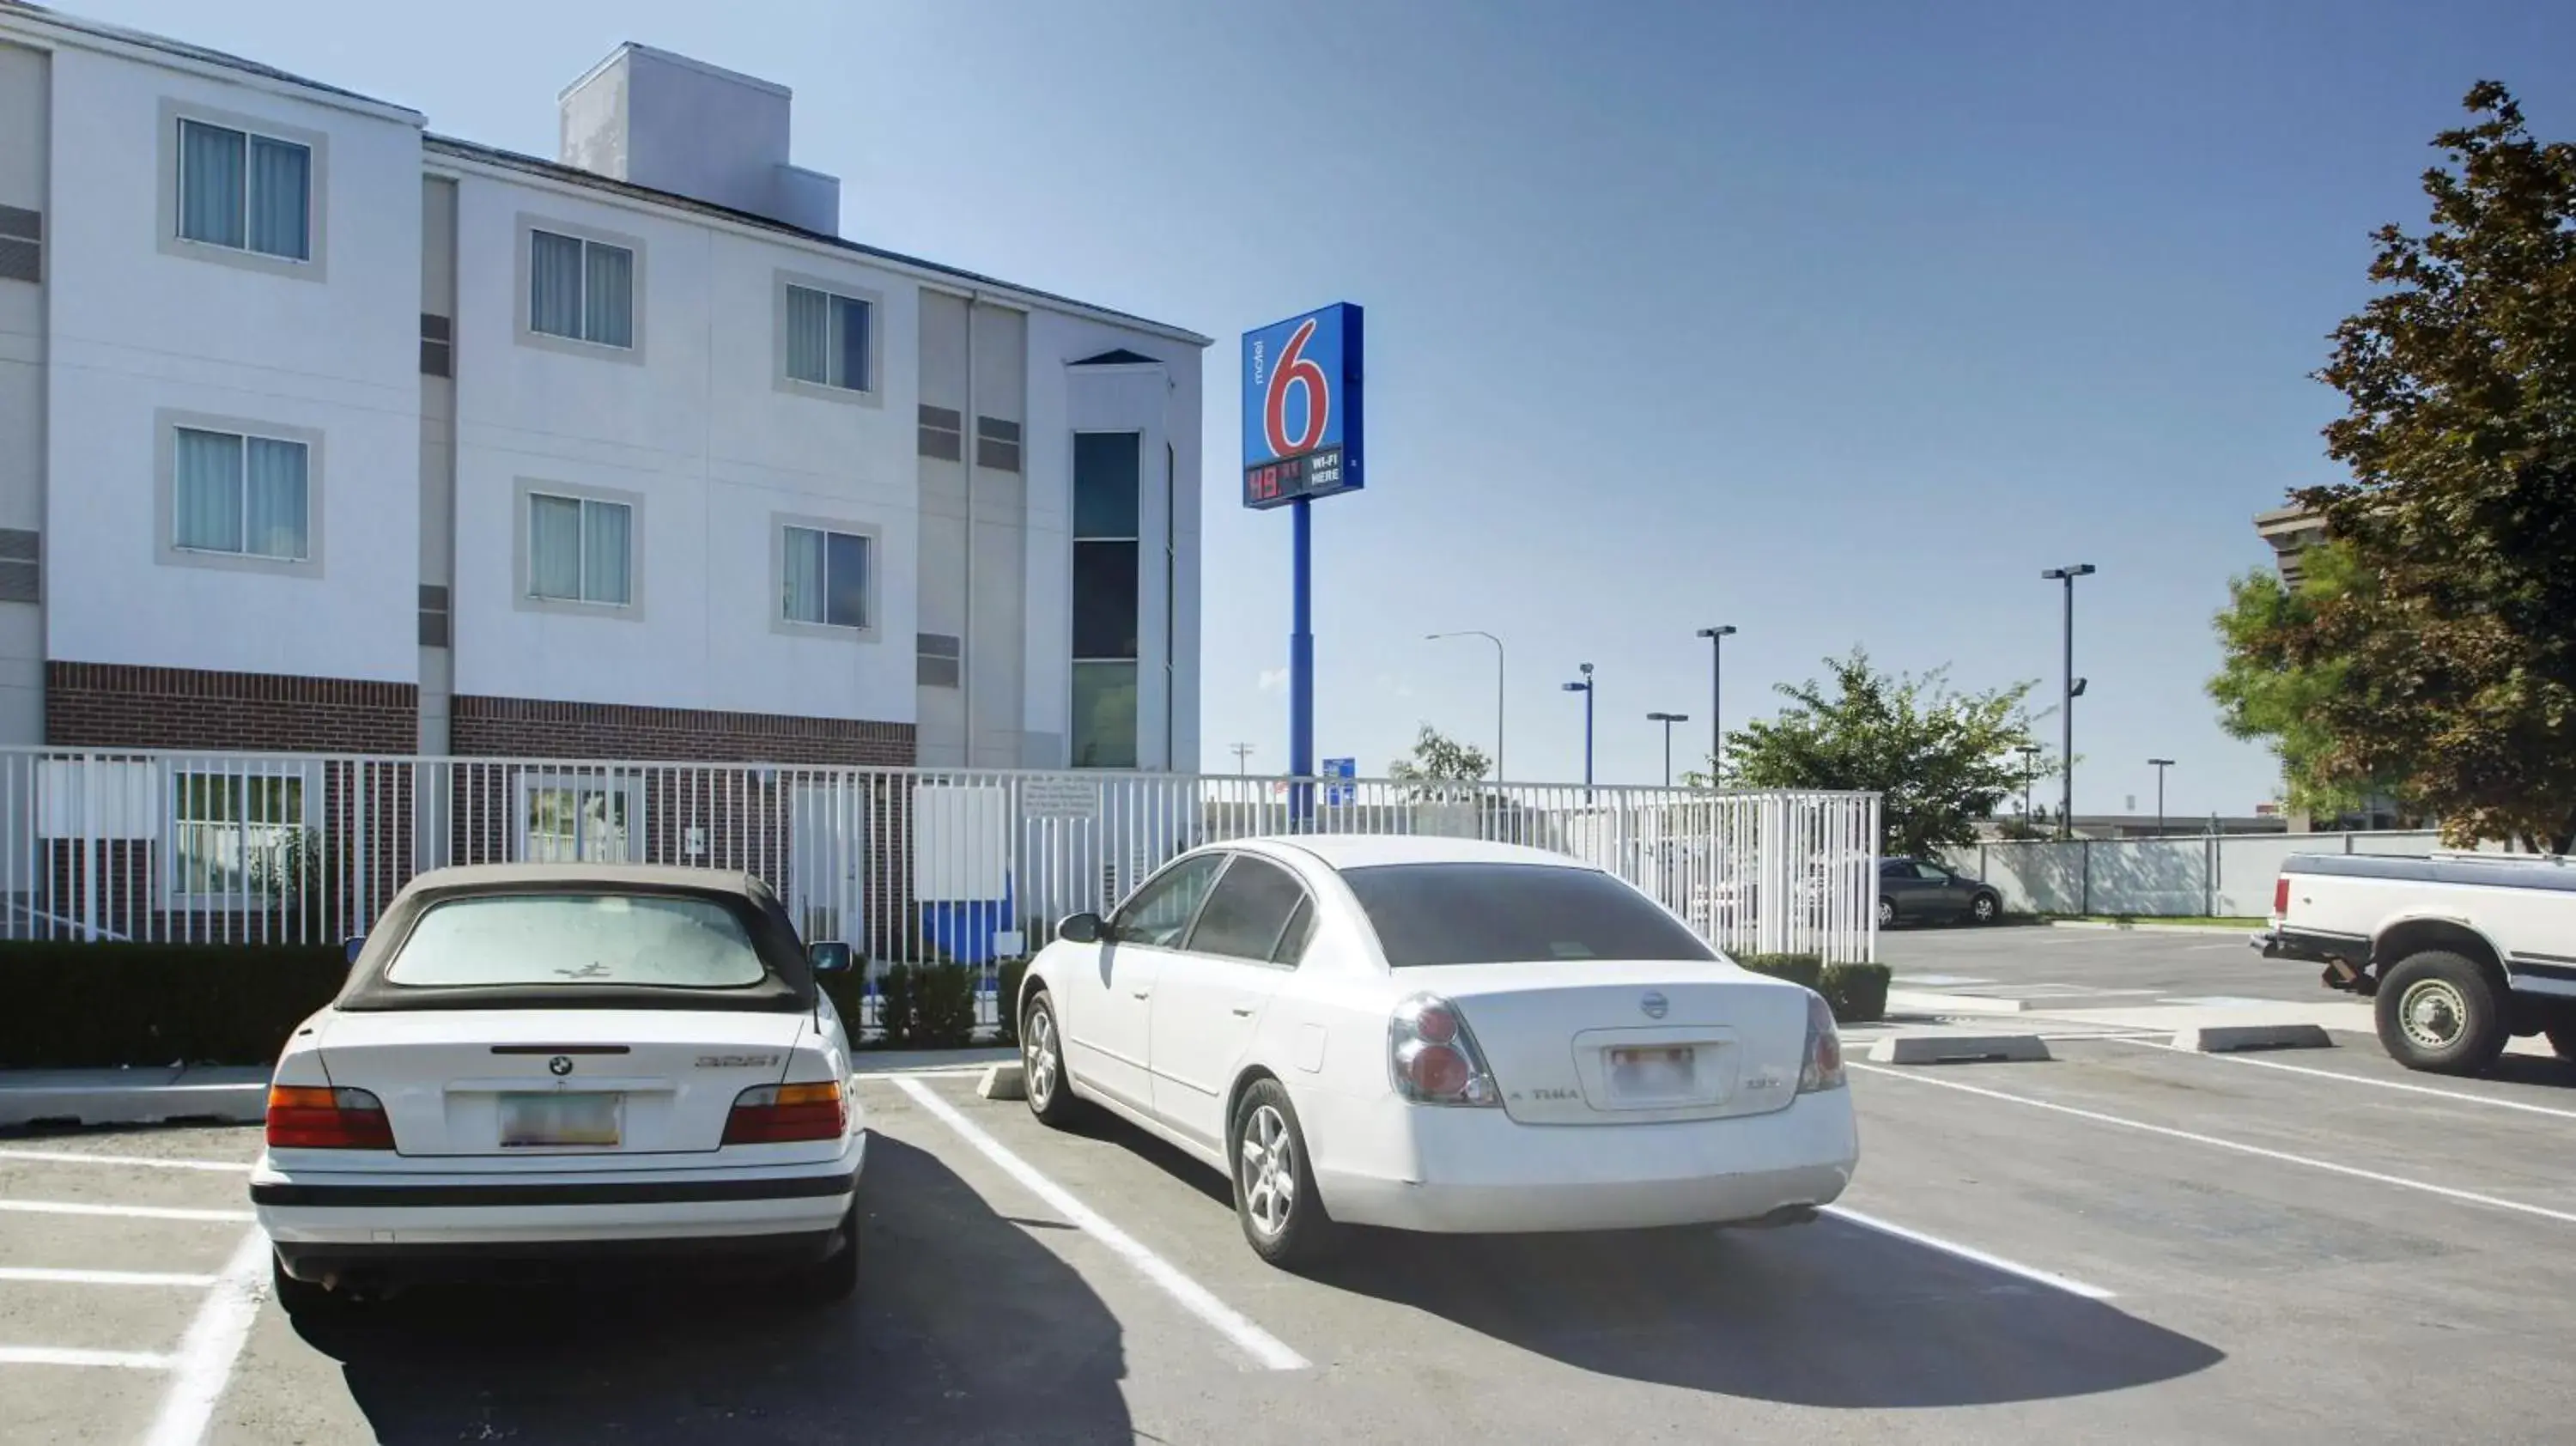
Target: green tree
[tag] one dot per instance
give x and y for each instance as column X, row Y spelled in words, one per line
column 2435, row 654
column 1440, row 759
column 1940, row 761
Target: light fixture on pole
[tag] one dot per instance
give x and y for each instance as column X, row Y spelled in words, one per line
column 1499, row 775
column 1242, row 757
column 2074, row 690
column 1717, row 637
column 1668, row 720
column 2160, row 765
column 1585, row 688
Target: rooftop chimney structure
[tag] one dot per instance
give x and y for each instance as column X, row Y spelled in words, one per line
column 652, row 118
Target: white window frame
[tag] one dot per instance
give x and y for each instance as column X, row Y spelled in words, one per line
column 627, row 787
column 522, row 578
column 779, row 622
column 317, row 148
column 167, row 423
column 524, row 308
column 308, row 780
column 871, row 395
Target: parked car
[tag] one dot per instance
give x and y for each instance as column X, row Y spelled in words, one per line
column 1442, row 1035
column 1922, row 891
column 536, row 1064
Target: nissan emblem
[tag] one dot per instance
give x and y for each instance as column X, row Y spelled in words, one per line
column 1654, row 1005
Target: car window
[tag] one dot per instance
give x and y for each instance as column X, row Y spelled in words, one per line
column 1427, row 914
column 1292, row 940
column 1246, row 913
column 1896, row 869
column 1933, row 872
column 665, row 941
column 1160, row 912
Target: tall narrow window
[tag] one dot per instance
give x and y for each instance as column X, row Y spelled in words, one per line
column 246, row 192
column 237, row 494
column 580, row 549
column 1105, row 603
column 827, row 339
column 826, row 578
column 581, row 290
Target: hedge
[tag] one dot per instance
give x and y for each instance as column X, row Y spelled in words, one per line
column 1857, row 992
column 925, row 1006
column 80, row 1006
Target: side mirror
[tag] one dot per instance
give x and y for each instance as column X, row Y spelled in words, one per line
column 829, row 958
column 350, row 947
column 1083, row 928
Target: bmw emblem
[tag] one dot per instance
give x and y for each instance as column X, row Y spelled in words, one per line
column 562, row 1064
column 1654, row 1005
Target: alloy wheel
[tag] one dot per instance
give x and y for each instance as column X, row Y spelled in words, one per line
column 1267, row 1171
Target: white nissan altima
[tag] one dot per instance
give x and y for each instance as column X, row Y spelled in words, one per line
column 535, row 1065
column 1439, row 1035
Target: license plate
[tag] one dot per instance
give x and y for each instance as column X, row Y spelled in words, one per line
column 1652, row 1073
column 535, row 1121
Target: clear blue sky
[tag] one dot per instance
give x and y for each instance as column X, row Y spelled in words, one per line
column 1835, row 322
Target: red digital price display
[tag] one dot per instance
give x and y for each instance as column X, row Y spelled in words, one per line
column 1316, row 474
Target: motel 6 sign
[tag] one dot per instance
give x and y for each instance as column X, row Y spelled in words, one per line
column 1301, row 408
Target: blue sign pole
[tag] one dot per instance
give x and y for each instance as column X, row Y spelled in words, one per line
column 1301, row 673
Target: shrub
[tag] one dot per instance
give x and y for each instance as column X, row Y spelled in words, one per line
column 81, row 1006
column 898, row 1006
column 943, row 1006
column 1857, row 992
column 1806, row 969
column 1007, row 1001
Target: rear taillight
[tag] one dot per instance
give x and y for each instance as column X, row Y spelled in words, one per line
column 2281, row 897
column 1433, row 1058
column 305, row 1117
column 777, row 1114
column 1823, row 1069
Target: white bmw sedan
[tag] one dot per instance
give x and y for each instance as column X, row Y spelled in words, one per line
column 1438, row 1035
column 534, row 1066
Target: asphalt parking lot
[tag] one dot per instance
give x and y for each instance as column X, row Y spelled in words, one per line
column 2096, row 968
column 2126, row 1243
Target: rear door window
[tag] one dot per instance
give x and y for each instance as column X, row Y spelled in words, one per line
column 1248, row 912
column 1427, row 914
column 660, row 941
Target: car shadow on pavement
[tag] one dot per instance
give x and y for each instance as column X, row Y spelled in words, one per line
column 1828, row 1314
column 965, row 1328
column 2547, row 1071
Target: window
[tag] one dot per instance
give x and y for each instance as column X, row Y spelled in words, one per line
column 245, row 192
column 1248, row 912
column 939, row 660
column 1105, row 598
column 236, row 834
column 997, row 444
column 1932, row 873
column 942, row 433
column 243, row 495
column 828, row 340
column 1427, row 914
column 826, row 583
column 580, row 549
column 659, row 941
column 1292, row 940
column 580, row 289
column 437, row 345
column 579, row 820
column 22, row 244
column 1161, row 911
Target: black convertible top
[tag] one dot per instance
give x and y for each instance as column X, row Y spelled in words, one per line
column 786, row 986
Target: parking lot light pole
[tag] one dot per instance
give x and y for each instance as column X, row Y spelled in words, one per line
column 1668, row 720
column 1499, row 775
column 2074, row 690
column 1717, row 637
column 2160, row 765
column 1585, row 688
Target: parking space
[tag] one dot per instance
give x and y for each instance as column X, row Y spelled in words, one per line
column 2124, row 1243
column 2095, row 968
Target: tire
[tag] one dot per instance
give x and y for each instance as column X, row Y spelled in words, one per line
column 2440, row 1013
column 1275, row 1200
column 1887, row 913
column 1042, row 1063
column 836, row 1276
column 1985, row 909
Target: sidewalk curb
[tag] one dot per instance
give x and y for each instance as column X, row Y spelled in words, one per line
column 1933, row 1002
column 140, row 1104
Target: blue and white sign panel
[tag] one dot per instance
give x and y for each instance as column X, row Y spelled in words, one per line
column 1338, row 794
column 1301, row 408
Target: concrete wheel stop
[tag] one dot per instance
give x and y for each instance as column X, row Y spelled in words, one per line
column 2229, row 1038
column 1004, row 1082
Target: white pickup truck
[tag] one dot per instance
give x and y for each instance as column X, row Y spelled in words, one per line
column 2459, row 952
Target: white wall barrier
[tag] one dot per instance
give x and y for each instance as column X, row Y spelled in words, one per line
column 2220, row 876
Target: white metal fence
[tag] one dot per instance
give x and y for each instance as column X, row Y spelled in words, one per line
column 969, row 866
column 2213, row 875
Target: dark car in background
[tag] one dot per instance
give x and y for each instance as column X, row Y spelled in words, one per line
column 1916, row 891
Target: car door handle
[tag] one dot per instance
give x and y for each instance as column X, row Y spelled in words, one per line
column 1243, row 1011
column 1143, row 993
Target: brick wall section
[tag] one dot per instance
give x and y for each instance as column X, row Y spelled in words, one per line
column 536, row 728
column 120, row 705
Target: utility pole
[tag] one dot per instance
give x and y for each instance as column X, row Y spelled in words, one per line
column 1242, row 752
column 2160, row 765
column 2074, row 690
column 1717, row 637
column 2029, row 773
column 1668, row 720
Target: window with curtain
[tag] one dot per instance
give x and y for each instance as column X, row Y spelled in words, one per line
column 245, row 191
column 1106, row 563
column 581, row 290
column 238, row 494
column 826, row 578
column 580, row 549
column 827, row 339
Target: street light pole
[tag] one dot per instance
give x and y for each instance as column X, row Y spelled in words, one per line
column 1668, row 720
column 1585, row 688
column 1717, row 637
column 1499, row 775
column 2160, row 765
column 2074, row 690
column 1242, row 756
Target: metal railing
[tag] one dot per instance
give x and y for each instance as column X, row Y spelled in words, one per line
column 906, row 864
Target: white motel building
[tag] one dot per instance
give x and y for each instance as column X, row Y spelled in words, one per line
column 323, row 432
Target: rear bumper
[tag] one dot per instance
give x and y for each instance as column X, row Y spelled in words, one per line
column 1480, row 1172
column 522, row 1260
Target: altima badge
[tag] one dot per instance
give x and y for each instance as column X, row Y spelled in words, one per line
column 1654, row 1004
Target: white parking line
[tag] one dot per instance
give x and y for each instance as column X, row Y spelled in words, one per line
column 1260, row 1344
column 2047, row 1278
column 2165, row 1043
column 34, row 1276
column 74, row 1157
column 137, row 1212
column 2469, row 1197
column 203, row 1365
column 54, row 1356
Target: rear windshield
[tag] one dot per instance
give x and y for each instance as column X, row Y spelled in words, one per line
column 660, row 941
column 1428, row 914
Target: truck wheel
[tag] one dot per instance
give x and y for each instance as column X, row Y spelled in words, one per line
column 2439, row 1012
